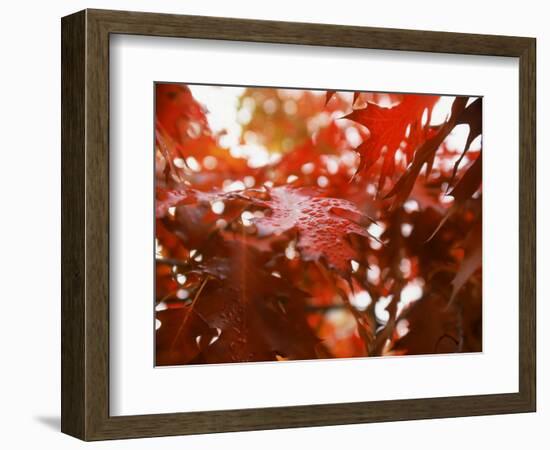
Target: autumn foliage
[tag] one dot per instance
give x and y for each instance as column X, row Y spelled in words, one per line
column 336, row 225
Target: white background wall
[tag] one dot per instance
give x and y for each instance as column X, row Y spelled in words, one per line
column 30, row 222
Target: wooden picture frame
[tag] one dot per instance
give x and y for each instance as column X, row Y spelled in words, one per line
column 85, row 224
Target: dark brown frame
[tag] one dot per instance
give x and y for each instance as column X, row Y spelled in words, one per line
column 85, row 224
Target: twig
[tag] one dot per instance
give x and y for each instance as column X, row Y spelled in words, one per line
column 193, row 303
column 173, row 262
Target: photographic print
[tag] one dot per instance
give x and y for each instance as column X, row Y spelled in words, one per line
column 301, row 224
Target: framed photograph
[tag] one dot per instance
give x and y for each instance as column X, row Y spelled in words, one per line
column 270, row 225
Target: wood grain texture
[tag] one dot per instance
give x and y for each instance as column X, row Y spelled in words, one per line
column 527, row 224
column 85, row 224
column 73, row 109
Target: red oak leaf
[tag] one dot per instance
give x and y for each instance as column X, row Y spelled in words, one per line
column 165, row 199
column 177, row 112
column 238, row 313
column 425, row 153
column 323, row 225
column 472, row 259
column 328, row 96
column 434, row 327
column 472, row 117
column 389, row 128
